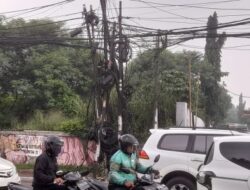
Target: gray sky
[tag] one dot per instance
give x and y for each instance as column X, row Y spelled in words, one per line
column 235, row 55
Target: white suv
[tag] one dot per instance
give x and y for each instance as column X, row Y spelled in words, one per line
column 227, row 165
column 182, row 150
column 7, row 173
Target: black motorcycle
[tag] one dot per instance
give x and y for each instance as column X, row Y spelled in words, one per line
column 72, row 180
column 146, row 181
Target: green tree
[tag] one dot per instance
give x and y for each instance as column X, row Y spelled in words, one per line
column 216, row 100
column 241, row 108
column 173, row 79
column 232, row 115
column 37, row 77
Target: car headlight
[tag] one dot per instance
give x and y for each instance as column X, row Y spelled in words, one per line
column 7, row 173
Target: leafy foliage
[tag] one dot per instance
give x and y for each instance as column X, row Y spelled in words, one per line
column 43, row 86
column 173, row 88
column 216, row 100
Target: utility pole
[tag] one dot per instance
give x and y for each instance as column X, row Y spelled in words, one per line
column 190, row 91
column 156, row 82
column 120, row 90
column 105, row 28
column 197, row 100
column 105, row 97
column 93, row 57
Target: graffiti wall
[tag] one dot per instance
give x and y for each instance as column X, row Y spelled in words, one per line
column 21, row 148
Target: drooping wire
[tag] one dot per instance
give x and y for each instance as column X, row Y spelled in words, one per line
column 163, row 10
column 29, row 10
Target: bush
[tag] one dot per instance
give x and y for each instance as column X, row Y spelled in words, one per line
column 44, row 121
column 75, row 127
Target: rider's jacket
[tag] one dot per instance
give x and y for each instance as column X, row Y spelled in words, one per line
column 44, row 170
column 122, row 160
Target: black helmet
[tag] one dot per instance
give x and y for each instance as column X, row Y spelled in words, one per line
column 53, row 145
column 127, row 140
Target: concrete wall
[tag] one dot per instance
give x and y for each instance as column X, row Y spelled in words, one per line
column 23, row 147
column 183, row 116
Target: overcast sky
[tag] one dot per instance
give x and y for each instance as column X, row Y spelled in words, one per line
column 235, row 54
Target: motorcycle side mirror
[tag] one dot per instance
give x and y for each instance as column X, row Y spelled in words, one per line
column 85, row 173
column 157, row 158
column 59, row 173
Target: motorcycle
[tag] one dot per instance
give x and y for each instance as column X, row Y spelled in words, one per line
column 72, row 180
column 146, row 181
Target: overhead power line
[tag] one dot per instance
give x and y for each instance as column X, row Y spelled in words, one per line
column 193, row 6
column 37, row 8
column 190, row 4
column 37, row 25
column 66, row 15
column 40, row 8
column 235, row 48
column 236, row 94
column 178, row 18
column 205, row 28
column 163, row 10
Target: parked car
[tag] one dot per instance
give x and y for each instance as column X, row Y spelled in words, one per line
column 182, row 150
column 8, row 173
column 227, row 165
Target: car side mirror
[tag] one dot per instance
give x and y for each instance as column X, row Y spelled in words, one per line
column 200, row 166
column 204, row 178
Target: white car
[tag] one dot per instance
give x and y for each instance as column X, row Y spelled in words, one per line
column 227, row 165
column 8, row 173
column 182, row 150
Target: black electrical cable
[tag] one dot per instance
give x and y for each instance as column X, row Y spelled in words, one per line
column 37, row 25
column 37, row 8
column 193, row 6
column 163, row 10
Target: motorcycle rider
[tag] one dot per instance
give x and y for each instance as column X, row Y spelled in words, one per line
column 44, row 175
column 126, row 157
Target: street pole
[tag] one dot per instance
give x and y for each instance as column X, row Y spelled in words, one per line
column 105, row 28
column 120, row 108
column 190, row 92
column 156, row 82
column 197, row 100
column 93, row 57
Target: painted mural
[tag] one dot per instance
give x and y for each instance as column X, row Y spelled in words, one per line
column 24, row 148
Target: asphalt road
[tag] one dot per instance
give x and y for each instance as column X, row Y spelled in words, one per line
column 27, row 181
column 26, row 177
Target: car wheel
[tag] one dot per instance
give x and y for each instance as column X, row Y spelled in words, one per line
column 180, row 183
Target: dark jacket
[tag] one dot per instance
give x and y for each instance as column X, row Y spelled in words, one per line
column 44, row 171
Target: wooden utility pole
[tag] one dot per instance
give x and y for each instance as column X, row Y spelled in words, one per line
column 156, row 82
column 197, row 100
column 190, row 91
column 120, row 108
